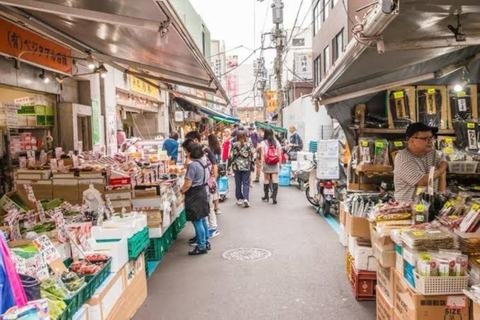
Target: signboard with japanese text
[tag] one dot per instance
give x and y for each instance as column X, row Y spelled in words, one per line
column 272, row 101
column 303, row 65
column 142, row 87
column 40, row 51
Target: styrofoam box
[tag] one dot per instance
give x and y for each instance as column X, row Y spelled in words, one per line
column 343, row 236
column 81, row 314
column 156, row 232
column 364, row 259
column 154, row 202
column 352, row 245
column 410, row 255
column 138, row 220
column 121, row 203
column 64, row 250
column 108, row 301
column 91, row 180
column 119, row 195
column 110, row 233
column 118, row 250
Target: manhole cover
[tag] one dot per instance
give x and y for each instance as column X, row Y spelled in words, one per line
column 247, row 254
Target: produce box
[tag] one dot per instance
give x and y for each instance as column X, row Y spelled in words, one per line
column 118, row 250
column 410, row 305
column 119, row 194
column 25, row 174
column 384, row 307
column 67, row 193
column 385, row 283
column 154, row 218
column 357, row 227
column 385, row 258
column 16, row 199
column 43, row 189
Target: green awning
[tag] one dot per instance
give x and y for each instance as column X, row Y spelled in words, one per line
column 275, row 128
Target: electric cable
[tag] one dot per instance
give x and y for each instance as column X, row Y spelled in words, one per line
column 245, row 60
column 237, row 47
column 304, row 79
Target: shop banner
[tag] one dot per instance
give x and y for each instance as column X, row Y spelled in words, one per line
column 272, row 101
column 45, row 53
column 140, row 86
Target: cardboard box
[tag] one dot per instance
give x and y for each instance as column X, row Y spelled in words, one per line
column 384, row 241
column 108, row 296
column 385, row 258
column 43, row 189
column 343, row 213
column 357, row 227
column 25, row 174
column 154, row 218
column 476, row 311
column 398, row 259
column 67, row 192
column 385, row 283
column 119, row 194
column 6, row 202
column 413, row 306
column 384, row 308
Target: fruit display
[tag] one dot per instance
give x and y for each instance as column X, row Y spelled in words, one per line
column 86, row 268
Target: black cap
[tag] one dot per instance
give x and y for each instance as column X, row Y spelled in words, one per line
column 419, row 127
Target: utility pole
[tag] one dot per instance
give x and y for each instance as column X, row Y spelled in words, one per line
column 277, row 16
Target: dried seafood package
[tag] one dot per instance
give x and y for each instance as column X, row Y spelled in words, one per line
column 430, row 107
column 461, row 104
column 366, row 151
column 400, row 108
column 381, row 153
column 424, row 240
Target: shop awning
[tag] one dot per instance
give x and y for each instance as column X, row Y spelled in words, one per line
column 215, row 115
column 275, row 128
column 123, row 33
column 417, row 43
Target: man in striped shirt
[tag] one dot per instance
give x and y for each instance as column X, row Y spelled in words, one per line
column 412, row 165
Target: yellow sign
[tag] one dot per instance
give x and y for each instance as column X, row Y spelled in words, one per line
column 140, row 86
column 272, row 101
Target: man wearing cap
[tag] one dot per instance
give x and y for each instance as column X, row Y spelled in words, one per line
column 412, row 165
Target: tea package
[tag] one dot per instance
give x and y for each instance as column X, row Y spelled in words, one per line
column 381, row 153
column 400, row 108
column 467, row 135
column 430, row 107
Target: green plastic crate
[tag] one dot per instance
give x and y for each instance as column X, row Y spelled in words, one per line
column 78, row 300
column 137, row 243
column 96, row 280
column 168, row 238
column 156, row 250
column 67, row 314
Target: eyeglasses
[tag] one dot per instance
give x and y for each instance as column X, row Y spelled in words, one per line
column 431, row 138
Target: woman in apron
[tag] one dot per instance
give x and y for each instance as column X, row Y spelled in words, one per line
column 196, row 201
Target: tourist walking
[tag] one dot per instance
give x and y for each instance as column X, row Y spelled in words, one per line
column 271, row 157
column 196, row 202
column 241, row 161
column 214, row 145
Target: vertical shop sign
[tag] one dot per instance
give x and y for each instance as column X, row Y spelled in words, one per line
column 272, row 101
column 95, row 122
column 33, row 48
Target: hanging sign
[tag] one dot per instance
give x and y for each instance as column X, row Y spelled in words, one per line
column 45, row 53
column 272, row 101
column 140, row 86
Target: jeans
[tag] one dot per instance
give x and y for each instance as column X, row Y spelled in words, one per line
column 242, row 185
column 201, row 232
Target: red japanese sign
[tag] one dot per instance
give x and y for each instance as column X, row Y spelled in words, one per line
column 15, row 40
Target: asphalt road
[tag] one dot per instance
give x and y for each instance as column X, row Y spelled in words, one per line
column 304, row 278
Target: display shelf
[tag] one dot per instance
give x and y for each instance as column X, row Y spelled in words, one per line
column 396, row 131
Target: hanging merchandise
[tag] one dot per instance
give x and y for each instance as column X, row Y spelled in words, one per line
column 381, row 153
column 461, row 104
column 430, row 107
column 400, row 108
column 467, row 135
column 446, row 144
column 394, row 148
column 366, row 151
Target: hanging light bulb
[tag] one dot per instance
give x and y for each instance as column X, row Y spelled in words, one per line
column 102, row 71
column 44, row 77
column 90, row 62
column 458, row 88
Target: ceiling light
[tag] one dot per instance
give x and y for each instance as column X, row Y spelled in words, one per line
column 458, row 88
column 44, row 77
column 102, row 71
column 90, row 62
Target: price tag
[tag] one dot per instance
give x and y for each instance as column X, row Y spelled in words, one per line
column 475, row 207
column 398, row 143
column 448, row 150
column 379, row 144
column 398, row 94
column 431, row 90
column 364, row 143
column 461, row 94
column 420, row 208
column 418, row 233
column 447, row 204
column 40, row 211
column 471, row 125
column 425, row 257
column 456, row 302
column 47, row 249
column 449, row 140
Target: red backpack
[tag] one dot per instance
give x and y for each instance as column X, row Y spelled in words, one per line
column 272, row 155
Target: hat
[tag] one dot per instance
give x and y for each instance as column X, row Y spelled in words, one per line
column 419, row 127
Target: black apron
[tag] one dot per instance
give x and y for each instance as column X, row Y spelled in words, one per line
column 196, row 201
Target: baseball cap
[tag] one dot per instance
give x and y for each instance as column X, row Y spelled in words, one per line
column 419, row 127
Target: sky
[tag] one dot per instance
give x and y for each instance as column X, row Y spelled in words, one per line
column 241, row 22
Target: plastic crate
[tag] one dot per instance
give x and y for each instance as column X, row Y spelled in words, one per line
column 364, row 284
column 462, row 166
column 78, row 300
column 168, row 238
column 137, row 243
column 67, row 314
column 96, row 280
column 348, row 265
column 156, row 250
column 440, row 285
column 283, row 181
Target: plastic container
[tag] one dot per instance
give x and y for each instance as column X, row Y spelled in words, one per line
column 285, row 170
column 156, row 250
column 364, row 284
column 283, row 181
column 462, row 166
column 96, row 280
column 440, row 285
column 138, row 243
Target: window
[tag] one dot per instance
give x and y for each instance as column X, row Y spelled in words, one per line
column 298, row 42
column 326, row 59
column 338, row 45
column 317, row 71
column 317, row 19
column 326, row 9
column 334, row 2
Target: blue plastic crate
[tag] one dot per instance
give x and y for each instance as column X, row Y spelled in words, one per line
column 284, row 181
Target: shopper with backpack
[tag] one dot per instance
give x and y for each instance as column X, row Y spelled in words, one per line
column 271, row 157
column 241, row 160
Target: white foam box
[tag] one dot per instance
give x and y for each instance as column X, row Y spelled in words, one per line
column 105, row 299
column 364, row 259
column 111, row 233
column 118, row 250
column 156, row 232
column 152, row 202
column 119, row 195
column 352, row 245
column 121, row 203
column 343, row 236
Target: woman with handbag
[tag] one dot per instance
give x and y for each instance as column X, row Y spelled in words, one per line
column 241, row 159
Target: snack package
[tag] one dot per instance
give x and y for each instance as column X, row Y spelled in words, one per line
column 394, row 148
column 381, row 153
column 400, row 108
column 366, row 150
column 466, row 134
column 430, row 107
column 461, row 104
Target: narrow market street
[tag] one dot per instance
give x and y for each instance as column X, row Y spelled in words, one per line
column 304, row 278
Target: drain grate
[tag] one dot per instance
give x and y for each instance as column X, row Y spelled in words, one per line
column 247, row 254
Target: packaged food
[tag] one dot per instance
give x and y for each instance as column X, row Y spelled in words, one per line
column 461, row 104
column 366, row 151
column 400, row 108
column 430, row 106
column 381, row 152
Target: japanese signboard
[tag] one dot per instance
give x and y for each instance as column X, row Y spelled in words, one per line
column 36, row 49
column 140, row 86
column 272, row 101
column 303, row 65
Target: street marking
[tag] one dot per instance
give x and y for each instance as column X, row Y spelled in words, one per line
column 333, row 223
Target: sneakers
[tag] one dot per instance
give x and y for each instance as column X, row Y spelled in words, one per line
column 197, row 251
column 239, row 202
column 212, row 233
column 208, row 246
column 246, row 204
column 192, row 241
column 218, row 212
